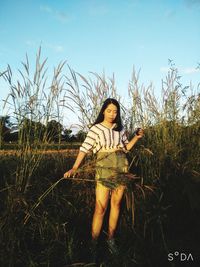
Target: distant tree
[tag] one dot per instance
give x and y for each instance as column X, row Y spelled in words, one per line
column 81, row 136
column 31, row 131
column 12, row 137
column 54, row 131
column 67, row 135
column 73, row 138
column 5, row 127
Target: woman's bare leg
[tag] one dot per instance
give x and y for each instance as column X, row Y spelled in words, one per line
column 116, row 198
column 102, row 197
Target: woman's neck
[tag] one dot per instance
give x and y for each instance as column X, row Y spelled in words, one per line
column 108, row 124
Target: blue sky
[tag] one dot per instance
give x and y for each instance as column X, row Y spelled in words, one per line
column 111, row 36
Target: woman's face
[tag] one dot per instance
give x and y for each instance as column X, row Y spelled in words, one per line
column 110, row 113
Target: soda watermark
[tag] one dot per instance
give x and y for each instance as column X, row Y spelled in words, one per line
column 180, row 256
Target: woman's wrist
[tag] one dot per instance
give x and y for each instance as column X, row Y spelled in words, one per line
column 136, row 137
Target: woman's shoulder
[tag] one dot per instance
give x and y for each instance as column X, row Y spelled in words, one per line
column 95, row 127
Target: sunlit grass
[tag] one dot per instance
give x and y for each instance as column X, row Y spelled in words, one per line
column 45, row 219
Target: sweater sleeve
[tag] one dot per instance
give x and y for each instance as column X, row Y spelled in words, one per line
column 89, row 141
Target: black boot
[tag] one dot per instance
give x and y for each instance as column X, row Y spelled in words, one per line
column 93, row 250
column 112, row 246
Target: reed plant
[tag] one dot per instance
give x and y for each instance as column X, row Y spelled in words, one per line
column 162, row 158
column 34, row 104
column 85, row 95
column 45, row 218
column 34, row 100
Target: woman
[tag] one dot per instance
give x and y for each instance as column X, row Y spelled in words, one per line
column 107, row 138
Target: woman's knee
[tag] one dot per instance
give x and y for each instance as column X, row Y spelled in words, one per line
column 100, row 209
column 116, row 197
column 115, row 203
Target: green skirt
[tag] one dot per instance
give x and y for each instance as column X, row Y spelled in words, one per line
column 110, row 168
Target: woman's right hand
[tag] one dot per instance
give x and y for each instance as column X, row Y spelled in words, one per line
column 70, row 173
column 139, row 132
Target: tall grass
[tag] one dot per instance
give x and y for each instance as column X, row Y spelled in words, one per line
column 34, row 104
column 86, row 95
column 41, row 213
column 166, row 160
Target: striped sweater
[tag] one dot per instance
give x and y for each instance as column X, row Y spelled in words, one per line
column 102, row 137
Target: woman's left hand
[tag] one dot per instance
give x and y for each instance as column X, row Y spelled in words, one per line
column 139, row 133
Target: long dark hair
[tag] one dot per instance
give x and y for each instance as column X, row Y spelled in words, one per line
column 117, row 120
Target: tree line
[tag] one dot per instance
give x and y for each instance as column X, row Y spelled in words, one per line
column 32, row 131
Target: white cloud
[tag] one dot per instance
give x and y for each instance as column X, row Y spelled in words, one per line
column 61, row 16
column 56, row 47
column 46, row 9
column 58, row 15
column 190, row 70
column 164, row 69
column 30, row 43
column 192, row 3
column 170, row 14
